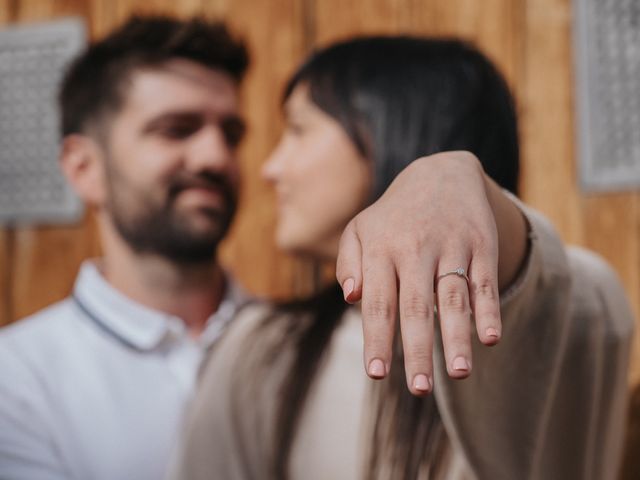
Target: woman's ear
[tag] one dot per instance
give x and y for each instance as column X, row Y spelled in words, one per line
column 82, row 162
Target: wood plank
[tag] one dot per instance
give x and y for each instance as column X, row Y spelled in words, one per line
column 40, row 10
column 274, row 32
column 108, row 14
column 119, row 10
column 335, row 20
column 545, row 89
column 492, row 25
column 6, row 11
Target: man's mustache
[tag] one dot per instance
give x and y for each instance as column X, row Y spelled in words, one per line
column 206, row 181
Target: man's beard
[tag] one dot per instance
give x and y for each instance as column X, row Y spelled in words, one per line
column 164, row 230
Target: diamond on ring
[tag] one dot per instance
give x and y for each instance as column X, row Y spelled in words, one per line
column 460, row 272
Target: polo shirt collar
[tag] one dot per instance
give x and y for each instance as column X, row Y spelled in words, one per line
column 136, row 325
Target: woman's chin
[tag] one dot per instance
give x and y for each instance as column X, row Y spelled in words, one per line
column 296, row 249
column 299, row 248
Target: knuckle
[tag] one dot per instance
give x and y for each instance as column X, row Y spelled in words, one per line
column 453, row 300
column 416, row 307
column 387, row 244
column 484, row 242
column 480, row 243
column 377, row 307
column 378, row 249
column 485, row 288
column 408, row 247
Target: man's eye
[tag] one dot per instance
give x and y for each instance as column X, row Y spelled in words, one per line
column 233, row 130
column 178, row 131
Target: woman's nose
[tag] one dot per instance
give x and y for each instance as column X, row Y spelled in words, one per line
column 272, row 168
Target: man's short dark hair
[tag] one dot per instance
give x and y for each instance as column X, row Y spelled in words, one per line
column 94, row 83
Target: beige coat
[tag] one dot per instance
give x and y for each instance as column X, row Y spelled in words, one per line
column 547, row 403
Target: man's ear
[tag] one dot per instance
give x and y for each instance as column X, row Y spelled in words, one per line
column 82, row 162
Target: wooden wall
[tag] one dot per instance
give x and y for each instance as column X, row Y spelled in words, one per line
column 529, row 40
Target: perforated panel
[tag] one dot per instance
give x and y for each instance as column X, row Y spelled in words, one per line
column 607, row 45
column 32, row 62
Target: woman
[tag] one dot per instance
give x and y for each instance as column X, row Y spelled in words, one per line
column 283, row 396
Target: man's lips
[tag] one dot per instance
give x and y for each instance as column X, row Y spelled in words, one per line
column 200, row 196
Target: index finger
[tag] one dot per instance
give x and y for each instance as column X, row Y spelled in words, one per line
column 349, row 264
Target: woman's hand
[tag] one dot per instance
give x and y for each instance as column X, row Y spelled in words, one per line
column 439, row 215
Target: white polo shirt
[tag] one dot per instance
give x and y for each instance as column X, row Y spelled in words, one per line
column 95, row 387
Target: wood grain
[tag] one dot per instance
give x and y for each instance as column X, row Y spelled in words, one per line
column 547, row 122
column 274, row 32
column 491, row 25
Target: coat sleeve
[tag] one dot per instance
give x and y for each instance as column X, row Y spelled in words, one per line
column 548, row 401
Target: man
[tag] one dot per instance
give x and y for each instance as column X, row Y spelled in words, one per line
column 94, row 387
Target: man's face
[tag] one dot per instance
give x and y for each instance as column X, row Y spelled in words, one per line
column 171, row 170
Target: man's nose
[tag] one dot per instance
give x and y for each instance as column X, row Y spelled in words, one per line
column 209, row 150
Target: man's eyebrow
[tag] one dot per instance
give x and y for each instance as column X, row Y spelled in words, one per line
column 189, row 116
column 176, row 116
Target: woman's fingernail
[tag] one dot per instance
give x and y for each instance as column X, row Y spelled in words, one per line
column 376, row 368
column 347, row 288
column 491, row 332
column 422, row 383
column 460, row 364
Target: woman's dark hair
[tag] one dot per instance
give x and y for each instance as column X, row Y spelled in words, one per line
column 398, row 98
